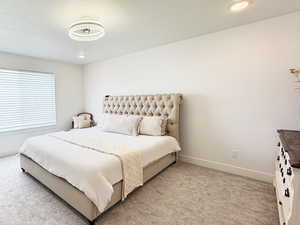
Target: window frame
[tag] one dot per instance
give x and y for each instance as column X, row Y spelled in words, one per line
column 36, row 126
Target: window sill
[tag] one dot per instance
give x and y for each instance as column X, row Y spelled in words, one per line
column 28, row 130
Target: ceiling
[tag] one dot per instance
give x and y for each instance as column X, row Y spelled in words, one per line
column 39, row 27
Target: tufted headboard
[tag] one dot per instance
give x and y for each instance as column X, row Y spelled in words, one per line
column 166, row 105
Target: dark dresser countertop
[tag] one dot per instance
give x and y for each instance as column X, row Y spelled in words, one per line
column 290, row 139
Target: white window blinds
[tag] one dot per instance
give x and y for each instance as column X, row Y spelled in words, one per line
column 27, row 100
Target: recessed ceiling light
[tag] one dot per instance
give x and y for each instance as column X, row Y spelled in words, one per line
column 239, row 5
column 82, row 55
column 86, row 30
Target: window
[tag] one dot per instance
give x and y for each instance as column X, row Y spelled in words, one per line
column 27, row 100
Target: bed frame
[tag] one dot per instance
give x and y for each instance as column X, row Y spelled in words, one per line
column 166, row 105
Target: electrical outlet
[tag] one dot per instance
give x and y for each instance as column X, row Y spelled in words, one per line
column 235, row 154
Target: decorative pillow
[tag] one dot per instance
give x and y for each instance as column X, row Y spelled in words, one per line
column 81, row 122
column 84, row 124
column 153, row 125
column 120, row 124
column 76, row 120
column 86, row 116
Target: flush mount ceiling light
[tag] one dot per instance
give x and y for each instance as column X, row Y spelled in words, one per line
column 239, row 5
column 86, row 30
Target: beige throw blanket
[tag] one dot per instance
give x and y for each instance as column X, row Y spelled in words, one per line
column 132, row 168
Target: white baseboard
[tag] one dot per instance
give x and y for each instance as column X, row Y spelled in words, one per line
column 254, row 174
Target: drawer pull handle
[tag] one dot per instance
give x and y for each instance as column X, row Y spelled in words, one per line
column 281, row 170
column 280, row 203
column 278, row 144
column 289, row 171
column 281, row 173
column 283, row 180
column 278, row 158
column 285, row 162
column 287, row 193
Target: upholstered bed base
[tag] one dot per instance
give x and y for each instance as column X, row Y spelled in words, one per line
column 166, row 105
column 78, row 199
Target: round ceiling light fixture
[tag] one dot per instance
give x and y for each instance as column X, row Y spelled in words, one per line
column 86, row 30
column 239, row 5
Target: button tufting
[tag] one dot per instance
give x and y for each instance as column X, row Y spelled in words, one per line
column 152, row 105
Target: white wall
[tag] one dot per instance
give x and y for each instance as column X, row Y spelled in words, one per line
column 69, row 96
column 236, row 86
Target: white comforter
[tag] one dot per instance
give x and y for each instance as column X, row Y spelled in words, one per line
column 91, row 171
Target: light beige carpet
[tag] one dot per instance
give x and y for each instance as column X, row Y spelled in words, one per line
column 182, row 194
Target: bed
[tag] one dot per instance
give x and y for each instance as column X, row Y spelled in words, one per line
column 167, row 105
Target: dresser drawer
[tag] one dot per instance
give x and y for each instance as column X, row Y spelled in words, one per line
column 280, row 212
column 284, row 183
column 284, row 194
column 279, row 190
column 287, row 177
column 284, row 165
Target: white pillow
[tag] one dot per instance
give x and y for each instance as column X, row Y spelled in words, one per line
column 153, row 125
column 81, row 122
column 76, row 120
column 84, row 124
column 120, row 124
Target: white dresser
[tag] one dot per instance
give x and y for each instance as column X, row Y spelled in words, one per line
column 287, row 177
